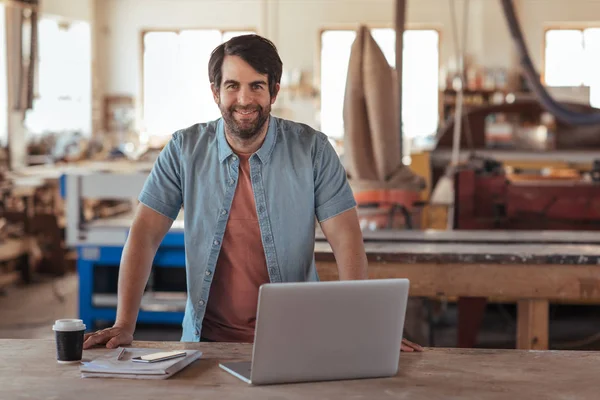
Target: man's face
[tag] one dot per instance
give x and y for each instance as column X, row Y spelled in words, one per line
column 243, row 98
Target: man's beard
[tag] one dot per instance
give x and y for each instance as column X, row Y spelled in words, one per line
column 247, row 129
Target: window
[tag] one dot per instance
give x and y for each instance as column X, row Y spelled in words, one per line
column 572, row 58
column 420, row 78
column 63, row 99
column 3, row 82
column 176, row 87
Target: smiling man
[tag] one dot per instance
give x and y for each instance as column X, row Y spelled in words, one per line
column 251, row 185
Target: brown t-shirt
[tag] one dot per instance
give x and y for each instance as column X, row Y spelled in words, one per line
column 241, row 269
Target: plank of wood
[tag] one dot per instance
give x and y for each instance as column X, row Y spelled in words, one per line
column 532, row 324
column 28, row 369
column 473, row 252
column 544, row 282
column 477, row 236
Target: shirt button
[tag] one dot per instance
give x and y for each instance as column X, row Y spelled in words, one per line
column 207, row 273
column 201, row 302
column 223, row 212
column 268, row 239
column 261, row 209
column 231, row 182
column 234, row 158
column 216, row 242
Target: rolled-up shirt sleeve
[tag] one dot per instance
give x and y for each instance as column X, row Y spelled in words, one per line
column 333, row 194
column 162, row 190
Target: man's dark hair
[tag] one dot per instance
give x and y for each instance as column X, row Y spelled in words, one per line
column 257, row 51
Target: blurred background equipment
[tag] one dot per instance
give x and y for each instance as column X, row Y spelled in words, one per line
column 467, row 129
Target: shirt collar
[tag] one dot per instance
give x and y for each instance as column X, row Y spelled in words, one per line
column 264, row 152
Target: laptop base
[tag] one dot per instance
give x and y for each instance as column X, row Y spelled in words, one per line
column 240, row 369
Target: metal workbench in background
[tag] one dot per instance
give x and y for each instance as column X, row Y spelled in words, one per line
column 100, row 242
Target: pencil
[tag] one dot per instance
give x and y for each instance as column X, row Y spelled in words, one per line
column 121, row 354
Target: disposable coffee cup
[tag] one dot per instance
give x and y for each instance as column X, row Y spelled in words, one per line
column 69, row 340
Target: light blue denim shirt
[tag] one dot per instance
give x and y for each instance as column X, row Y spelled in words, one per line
column 296, row 175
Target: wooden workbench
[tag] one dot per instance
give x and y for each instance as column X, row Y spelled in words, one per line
column 28, row 370
column 500, row 266
column 482, row 236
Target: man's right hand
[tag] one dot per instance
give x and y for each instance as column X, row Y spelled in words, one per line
column 113, row 337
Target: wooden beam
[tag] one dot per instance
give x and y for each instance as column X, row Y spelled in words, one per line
column 400, row 22
column 543, row 282
column 532, row 325
column 533, row 285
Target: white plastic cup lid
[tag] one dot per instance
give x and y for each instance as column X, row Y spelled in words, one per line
column 68, row 325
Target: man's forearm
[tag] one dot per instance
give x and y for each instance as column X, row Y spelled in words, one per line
column 351, row 259
column 345, row 237
column 136, row 264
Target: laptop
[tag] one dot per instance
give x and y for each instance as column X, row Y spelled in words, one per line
column 321, row 331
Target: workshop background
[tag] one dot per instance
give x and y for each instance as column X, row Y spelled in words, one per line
column 471, row 169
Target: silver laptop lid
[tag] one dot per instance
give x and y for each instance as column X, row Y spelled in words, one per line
column 313, row 331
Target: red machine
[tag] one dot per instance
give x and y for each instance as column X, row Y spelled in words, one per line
column 487, row 198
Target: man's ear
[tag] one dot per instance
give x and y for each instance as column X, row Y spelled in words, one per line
column 274, row 97
column 215, row 92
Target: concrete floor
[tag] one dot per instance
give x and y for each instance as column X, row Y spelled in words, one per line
column 28, row 311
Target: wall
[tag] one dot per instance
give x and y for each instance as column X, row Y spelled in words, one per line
column 120, row 23
column 294, row 25
column 81, row 10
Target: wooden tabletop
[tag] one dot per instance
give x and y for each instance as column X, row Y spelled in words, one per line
column 478, row 236
column 464, row 247
column 472, row 253
column 28, row 370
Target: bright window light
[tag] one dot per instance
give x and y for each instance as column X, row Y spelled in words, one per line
column 63, row 102
column 176, row 86
column 572, row 58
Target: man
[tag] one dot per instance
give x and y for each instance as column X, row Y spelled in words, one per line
column 251, row 185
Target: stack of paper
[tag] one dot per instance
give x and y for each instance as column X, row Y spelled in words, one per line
column 108, row 366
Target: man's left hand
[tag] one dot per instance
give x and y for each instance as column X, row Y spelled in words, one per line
column 410, row 346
